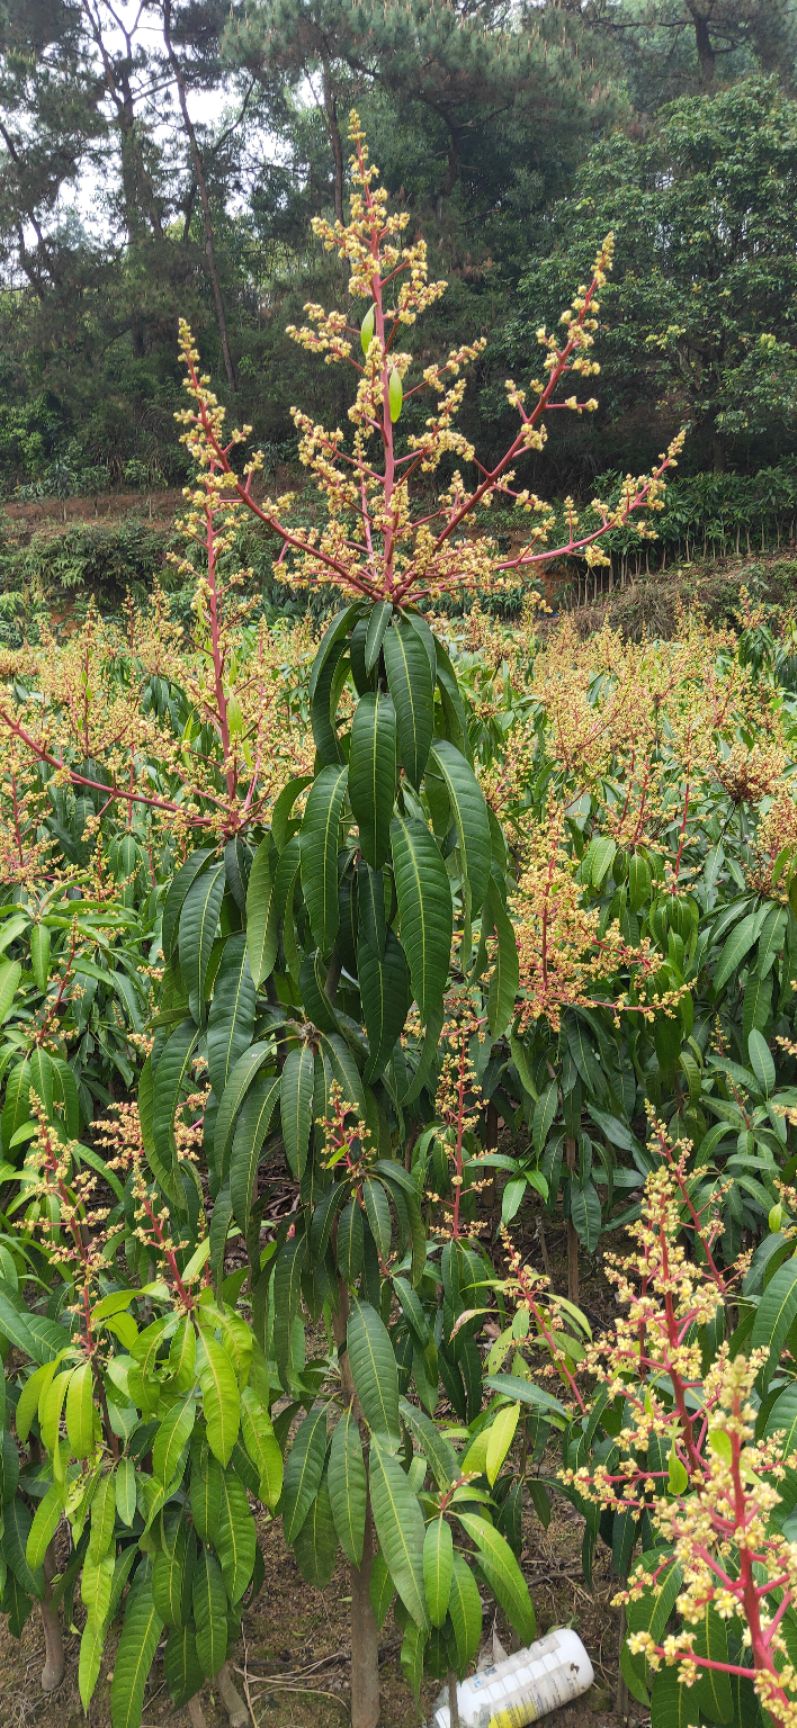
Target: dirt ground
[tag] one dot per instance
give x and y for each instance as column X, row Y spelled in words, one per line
column 293, row 1658
column 292, row 1661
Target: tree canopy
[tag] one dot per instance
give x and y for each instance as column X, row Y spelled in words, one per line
column 165, row 162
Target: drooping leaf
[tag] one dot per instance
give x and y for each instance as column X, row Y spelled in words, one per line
column 262, row 1446
column 231, row 1018
column 398, row 1520
column 46, row 1520
column 296, row 1106
column 503, row 1574
column 411, row 685
column 735, row 948
column 469, row 811
column 438, row 1568
column 425, row 909
column 251, row 1130
column 385, row 993
column 315, row 1545
column 378, row 622
column 80, row 1411
column 221, row 1400
column 373, row 1367
column 320, row 839
column 775, row 1315
column 135, row 1654
column 304, row 1468
column 372, row 774
column 347, row 1486
column 465, row 1609
column 262, row 937
column 210, row 1614
column 199, row 920
column 506, row 967
column 172, row 1438
column 761, row 1062
column 242, row 1077
column 236, row 1537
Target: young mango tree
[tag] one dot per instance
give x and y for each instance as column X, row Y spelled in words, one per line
column 316, row 970
column 323, row 951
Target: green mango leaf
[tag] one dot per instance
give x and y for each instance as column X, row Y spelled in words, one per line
column 373, row 1368
column 171, row 1440
column 319, row 842
column 235, row 1539
column 411, row 684
column 80, row 1411
column 465, row 1610
column 471, row 819
column 425, row 910
column 502, row 1574
column 199, row 921
column 347, row 1486
column 373, row 766
column 775, row 1316
column 506, row 967
column 135, row 1654
column 261, row 914
column 315, row 1546
column 385, row 994
column 398, row 1521
column 221, row 1400
column 761, row 1062
column 736, row 946
column 231, row 1019
column 296, row 1106
column 209, row 1599
column 304, row 1468
column 438, row 1568
column 46, row 1520
column 378, row 622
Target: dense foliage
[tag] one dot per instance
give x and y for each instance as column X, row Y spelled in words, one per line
column 175, row 158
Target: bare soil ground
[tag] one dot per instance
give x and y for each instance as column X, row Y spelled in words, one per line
column 292, row 1661
column 293, row 1657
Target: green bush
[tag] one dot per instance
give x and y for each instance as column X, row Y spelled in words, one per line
column 92, row 559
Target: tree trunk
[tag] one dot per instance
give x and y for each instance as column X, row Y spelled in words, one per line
column 707, row 59
column 204, row 200
column 453, row 1701
column 335, row 140
column 53, row 1670
column 364, row 1630
column 573, row 1269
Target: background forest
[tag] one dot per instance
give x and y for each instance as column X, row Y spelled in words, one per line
column 169, row 155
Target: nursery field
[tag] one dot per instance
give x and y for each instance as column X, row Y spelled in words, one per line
column 398, row 1090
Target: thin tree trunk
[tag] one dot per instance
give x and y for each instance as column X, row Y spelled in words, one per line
column 453, row 1701
column 204, row 199
column 706, row 57
column 335, row 140
column 364, row 1630
column 573, row 1268
column 235, row 1708
column 621, row 1700
column 53, row 1670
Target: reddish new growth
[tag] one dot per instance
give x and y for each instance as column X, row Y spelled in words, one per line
column 459, row 1105
column 687, row 1452
column 122, row 1142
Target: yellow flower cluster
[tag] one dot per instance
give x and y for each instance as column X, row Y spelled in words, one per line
column 566, row 949
column 374, row 539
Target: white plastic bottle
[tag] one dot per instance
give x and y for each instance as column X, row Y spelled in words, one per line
column 513, row 1693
